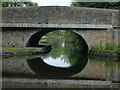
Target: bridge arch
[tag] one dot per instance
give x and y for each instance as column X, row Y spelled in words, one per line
column 35, row 38
column 41, row 68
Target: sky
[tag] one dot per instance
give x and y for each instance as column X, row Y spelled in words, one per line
column 53, row 2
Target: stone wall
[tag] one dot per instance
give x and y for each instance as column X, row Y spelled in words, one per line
column 59, row 15
column 16, row 37
column 94, row 37
column 100, row 37
column 113, row 35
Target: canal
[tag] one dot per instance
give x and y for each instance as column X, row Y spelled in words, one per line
column 64, row 63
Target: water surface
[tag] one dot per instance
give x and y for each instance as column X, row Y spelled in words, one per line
column 68, row 59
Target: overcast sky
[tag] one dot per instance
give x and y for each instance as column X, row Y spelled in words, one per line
column 53, row 2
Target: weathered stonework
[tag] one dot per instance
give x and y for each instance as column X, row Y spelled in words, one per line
column 59, row 15
column 94, row 37
column 18, row 37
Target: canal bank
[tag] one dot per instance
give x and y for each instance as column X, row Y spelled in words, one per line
column 11, row 52
column 37, row 51
column 104, row 53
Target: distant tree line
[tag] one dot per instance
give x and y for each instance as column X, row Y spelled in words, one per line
column 107, row 5
column 18, row 4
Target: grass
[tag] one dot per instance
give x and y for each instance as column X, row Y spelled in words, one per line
column 108, row 46
column 112, row 47
column 15, row 48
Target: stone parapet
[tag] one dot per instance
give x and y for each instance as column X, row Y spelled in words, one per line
column 59, row 15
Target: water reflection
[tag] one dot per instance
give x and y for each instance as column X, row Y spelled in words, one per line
column 101, row 69
column 58, row 62
column 67, row 57
column 107, row 69
column 16, row 73
column 67, row 48
column 47, row 71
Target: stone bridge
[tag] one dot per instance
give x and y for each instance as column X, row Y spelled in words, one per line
column 25, row 26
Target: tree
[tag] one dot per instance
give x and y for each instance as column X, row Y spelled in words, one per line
column 107, row 5
column 18, row 4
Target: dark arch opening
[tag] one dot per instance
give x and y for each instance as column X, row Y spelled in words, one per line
column 34, row 39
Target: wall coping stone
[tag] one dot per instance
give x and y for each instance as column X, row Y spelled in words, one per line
column 78, row 26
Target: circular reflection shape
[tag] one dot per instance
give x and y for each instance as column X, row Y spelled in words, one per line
column 44, row 69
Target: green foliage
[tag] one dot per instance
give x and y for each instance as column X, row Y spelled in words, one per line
column 15, row 48
column 54, row 39
column 94, row 48
column 107, row 5
column 108, row 46
column 73, row 47
column 18, row 4
column 65, row 45
column 111, row 46
column 57, row 49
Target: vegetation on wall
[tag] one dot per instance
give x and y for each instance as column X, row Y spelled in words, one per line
column 108, row 46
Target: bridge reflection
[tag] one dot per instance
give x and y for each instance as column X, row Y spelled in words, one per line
column 44, row 70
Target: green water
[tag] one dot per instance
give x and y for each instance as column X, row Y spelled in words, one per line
column 67, row 48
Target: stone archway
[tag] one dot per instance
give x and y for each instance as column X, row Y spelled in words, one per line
column 41, row 68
